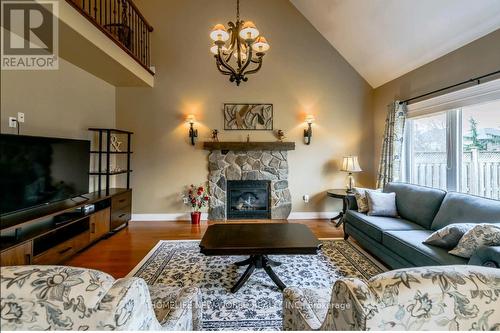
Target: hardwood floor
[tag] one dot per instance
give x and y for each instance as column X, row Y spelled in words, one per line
column 118, row 254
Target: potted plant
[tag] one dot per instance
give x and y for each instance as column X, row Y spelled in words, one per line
column 197, row 198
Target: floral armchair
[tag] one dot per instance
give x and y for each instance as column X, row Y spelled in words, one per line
column 68, row 298
column 423, row 298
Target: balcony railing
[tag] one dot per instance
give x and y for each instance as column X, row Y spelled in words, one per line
column 121, row 21
column 480, row 174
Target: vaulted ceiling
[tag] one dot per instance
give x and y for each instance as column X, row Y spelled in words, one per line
column 384, row 39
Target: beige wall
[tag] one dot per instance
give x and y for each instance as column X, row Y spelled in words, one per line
column 61, row 103
column 477, row 58
column 302, row 73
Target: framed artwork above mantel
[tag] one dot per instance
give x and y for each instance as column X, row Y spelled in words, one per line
column 247, row 116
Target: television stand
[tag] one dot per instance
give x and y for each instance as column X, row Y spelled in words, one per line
column 52, row 234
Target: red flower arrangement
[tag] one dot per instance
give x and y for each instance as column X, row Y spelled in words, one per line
column 197, row 197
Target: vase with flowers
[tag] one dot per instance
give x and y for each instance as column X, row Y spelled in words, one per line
column 197, row 198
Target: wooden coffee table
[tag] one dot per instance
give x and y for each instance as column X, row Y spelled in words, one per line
column 258, row 241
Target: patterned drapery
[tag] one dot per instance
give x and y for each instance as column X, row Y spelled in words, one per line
column 390, row 161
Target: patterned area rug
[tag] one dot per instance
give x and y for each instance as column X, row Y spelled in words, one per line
column 257, row 305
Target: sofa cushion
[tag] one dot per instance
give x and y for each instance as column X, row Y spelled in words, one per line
column 415, row 203
column 373, row 226
column 481, row 235
column 382, row 204
column 449, row 236
column 408, row 244
column 466, row 208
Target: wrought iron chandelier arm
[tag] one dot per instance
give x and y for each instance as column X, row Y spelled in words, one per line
column 221, row 69
column 249, row 58
column 256, row 69
column 220, row 59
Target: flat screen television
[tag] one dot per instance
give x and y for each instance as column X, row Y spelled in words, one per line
column 37, row 171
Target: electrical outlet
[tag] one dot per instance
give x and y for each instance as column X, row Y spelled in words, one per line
column 20, row 117
column 12, row 122
column 185, row 200
column 306, row 198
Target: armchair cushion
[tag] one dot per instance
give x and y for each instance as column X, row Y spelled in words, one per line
column 84, row 287
column 305, row 309
column 457, row 297
column 68, row 298
column 177, row 309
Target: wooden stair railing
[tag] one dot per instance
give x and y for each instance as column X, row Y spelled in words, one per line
column 123, row 23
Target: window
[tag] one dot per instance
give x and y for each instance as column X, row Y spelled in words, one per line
column 457, row 149
column 480, row 167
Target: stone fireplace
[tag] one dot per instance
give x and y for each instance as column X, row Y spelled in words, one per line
column 266, row 162
column 248, row 199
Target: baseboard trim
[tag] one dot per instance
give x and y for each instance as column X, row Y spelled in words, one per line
column 311, row 215
column 204, row 216
column 165, row 217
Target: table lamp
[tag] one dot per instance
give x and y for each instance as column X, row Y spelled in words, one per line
column 350, row 164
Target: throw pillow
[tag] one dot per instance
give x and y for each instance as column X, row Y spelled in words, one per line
column 449, row 236
column 361, row 200
column 481, row 234
column 381, row 204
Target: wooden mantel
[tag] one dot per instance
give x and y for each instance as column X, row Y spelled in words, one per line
column 246, row 146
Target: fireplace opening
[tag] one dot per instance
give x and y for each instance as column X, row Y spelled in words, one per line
column 248, row 199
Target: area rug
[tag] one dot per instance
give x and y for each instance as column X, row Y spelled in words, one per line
column 257, row 305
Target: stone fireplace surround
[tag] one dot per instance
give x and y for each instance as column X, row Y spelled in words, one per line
column 252, row 161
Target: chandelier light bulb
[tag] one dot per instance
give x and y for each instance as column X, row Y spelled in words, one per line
column 219, row 33
column 249, row 31
column 260, row 45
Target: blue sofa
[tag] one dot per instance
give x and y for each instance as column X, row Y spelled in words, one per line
column 422, row 210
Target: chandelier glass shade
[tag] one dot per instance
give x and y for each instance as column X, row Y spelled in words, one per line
column 239, row 49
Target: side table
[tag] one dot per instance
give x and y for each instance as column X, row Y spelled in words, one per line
column 340, row 194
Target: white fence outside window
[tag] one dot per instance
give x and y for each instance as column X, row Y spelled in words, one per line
column 480, row 172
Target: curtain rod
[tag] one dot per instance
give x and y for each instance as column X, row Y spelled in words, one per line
column 476, row 79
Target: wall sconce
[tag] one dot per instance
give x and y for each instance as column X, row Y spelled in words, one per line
column 193, row 133
column 308, row 132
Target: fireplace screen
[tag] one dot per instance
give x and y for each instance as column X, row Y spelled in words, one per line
column 248, row 199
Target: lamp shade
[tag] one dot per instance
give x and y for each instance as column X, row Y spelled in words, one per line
column 249, row 31
column 215, row 49
column 260, row 45
column 190, row 119
column 219, row 33
column 351, row 164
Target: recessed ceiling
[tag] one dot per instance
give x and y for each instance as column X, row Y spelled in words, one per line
column 384, row 39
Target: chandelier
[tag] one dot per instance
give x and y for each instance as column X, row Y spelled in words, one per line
column 237, row 59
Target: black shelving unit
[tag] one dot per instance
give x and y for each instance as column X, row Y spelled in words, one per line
column 104, row 138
